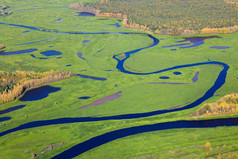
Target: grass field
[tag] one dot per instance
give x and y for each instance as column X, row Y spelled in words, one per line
column 137, row 95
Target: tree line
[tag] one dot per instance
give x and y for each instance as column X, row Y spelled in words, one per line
column 176, row 17
column 226, row 105
column 13, row 85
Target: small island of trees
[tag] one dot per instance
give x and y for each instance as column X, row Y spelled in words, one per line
column 2, row 46
column 3, row 11
column 226, row 105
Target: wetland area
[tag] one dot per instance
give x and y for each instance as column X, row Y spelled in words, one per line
column 131, row 90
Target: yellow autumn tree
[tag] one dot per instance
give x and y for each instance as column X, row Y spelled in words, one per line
column 2, row 46
column 207, row 144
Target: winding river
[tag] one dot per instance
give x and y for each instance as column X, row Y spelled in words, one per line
column 105, row 138
column 113, row 135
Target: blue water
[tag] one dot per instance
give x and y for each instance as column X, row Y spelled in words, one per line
column 8, row 110
column 58, row 20
column 91, row 77
column 195, row 78
column 177, row 73
column 83, row 14
column 68, row 65
column 218, row 83
column 80, row 55
column 51, row 53
column 195, row 41
column 39, row 93
column 164, row 77
column 86, row 41
column 17, row 52
column 116, row 24
column 195, row 44
column 26, row 31
column 100, row 50
column 5, row 119
column 42, row 58
column 33, row 56
column 117, row 134
column 219, row 47
column 85, row 97
column 36, row 41
column 173, row 49
column 22, row 26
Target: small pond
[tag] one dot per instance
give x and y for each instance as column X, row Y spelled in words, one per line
column 219, row 47
column 51, row 53
column 164, row 77
column 39, row 93
column 177, row 73
column 87, row 14
column 84, row 97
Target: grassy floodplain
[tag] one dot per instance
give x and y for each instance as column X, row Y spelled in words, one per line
column 137, row 95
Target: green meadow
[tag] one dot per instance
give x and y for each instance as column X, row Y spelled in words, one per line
column 138, row 93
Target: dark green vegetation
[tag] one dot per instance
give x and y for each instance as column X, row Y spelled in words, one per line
column 137, row 95
column 174, row 16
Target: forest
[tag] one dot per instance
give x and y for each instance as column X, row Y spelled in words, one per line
column 226, row 105
column 176, row 17
column 14, row 84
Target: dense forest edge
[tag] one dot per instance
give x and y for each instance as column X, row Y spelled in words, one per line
column 14, row 84
column 171, row 18
column 224, row 106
